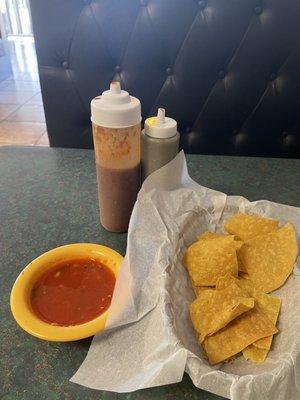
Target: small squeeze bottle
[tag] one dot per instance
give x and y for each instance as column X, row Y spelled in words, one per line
column 160, row 142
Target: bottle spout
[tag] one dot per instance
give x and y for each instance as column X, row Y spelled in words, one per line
column 160, row 119
column 115, row 87
column 160, row 126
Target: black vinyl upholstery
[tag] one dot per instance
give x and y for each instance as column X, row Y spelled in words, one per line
column 227, row 70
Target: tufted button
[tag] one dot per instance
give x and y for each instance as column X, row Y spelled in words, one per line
column 169, row 71
column 258, row 10
column 65, row 65
column 273, row 76
column 187, row 129
column 202, row 4
column 240, row 140
column 221, row 74
column 117, row 68
column 144, row 2
column 235, row 132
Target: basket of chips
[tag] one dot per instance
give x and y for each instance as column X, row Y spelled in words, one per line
column 232, row 276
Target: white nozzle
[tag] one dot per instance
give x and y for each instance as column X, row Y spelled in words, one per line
column 160, row 127
column 115, row 87
column 161, row 113
column 115, row 108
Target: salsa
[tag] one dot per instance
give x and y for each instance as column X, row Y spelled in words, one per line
column 73, row 292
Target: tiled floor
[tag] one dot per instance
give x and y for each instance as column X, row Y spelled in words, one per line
column 22, row 119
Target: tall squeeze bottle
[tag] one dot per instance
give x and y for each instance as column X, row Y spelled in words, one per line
column 116, row 120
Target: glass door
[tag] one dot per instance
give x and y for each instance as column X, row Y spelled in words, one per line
column 16, row 17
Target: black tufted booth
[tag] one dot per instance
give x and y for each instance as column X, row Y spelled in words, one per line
column 227, row 70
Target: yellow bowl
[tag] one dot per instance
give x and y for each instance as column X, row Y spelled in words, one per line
column 20, row 294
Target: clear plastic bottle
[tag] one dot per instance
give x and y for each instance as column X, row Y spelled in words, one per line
column 116, row 118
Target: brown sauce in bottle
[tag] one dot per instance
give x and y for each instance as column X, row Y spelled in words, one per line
column 118, row 198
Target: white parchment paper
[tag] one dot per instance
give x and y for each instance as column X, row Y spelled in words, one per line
column 150, row 340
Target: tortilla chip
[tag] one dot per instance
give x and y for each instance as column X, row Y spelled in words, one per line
column 269, row 259
column 243, row 275
column 241, row 267
column 212, row 235
column 246, row 226
column 237, row 335
column 206, row 260
column 214, row 309
column 254, row 354
column 264, row 343
column 209, row 235
column 199, row 289
column 225, row 280
column 269, row 305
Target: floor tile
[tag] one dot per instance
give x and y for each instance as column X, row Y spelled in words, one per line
column 22, row 53
column 30, row 76
column 16, row 86
column 15, row 97
column 36, row 99
column 43, row 141
column 7, row 109
column 23, row 133
column 28, row 113
column 4, row 83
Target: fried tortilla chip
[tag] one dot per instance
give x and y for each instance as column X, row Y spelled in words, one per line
column 226, row 280
column 206, row 260
column 243, row 275
column 212, row 235
column 246, row 226
column 214, row 309
column 209, row 235
column 199, row 289
column 255, row 354
column 270, row 305
column 237, row 335
column 241, row 267
column 267, row 304
column 269, row 259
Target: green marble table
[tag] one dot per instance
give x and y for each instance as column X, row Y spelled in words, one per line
column 48, row 198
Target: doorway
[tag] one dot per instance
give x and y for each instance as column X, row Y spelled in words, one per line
column 17, row 18
column 22, row 119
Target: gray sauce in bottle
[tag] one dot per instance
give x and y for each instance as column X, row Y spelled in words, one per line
column 159, row 144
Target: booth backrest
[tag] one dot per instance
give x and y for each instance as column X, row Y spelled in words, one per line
column 227, row 70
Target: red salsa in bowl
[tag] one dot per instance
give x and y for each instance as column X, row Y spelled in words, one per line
column 73, row 292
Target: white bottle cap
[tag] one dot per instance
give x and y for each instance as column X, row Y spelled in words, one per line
column 160, row 127
column 115, row 108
